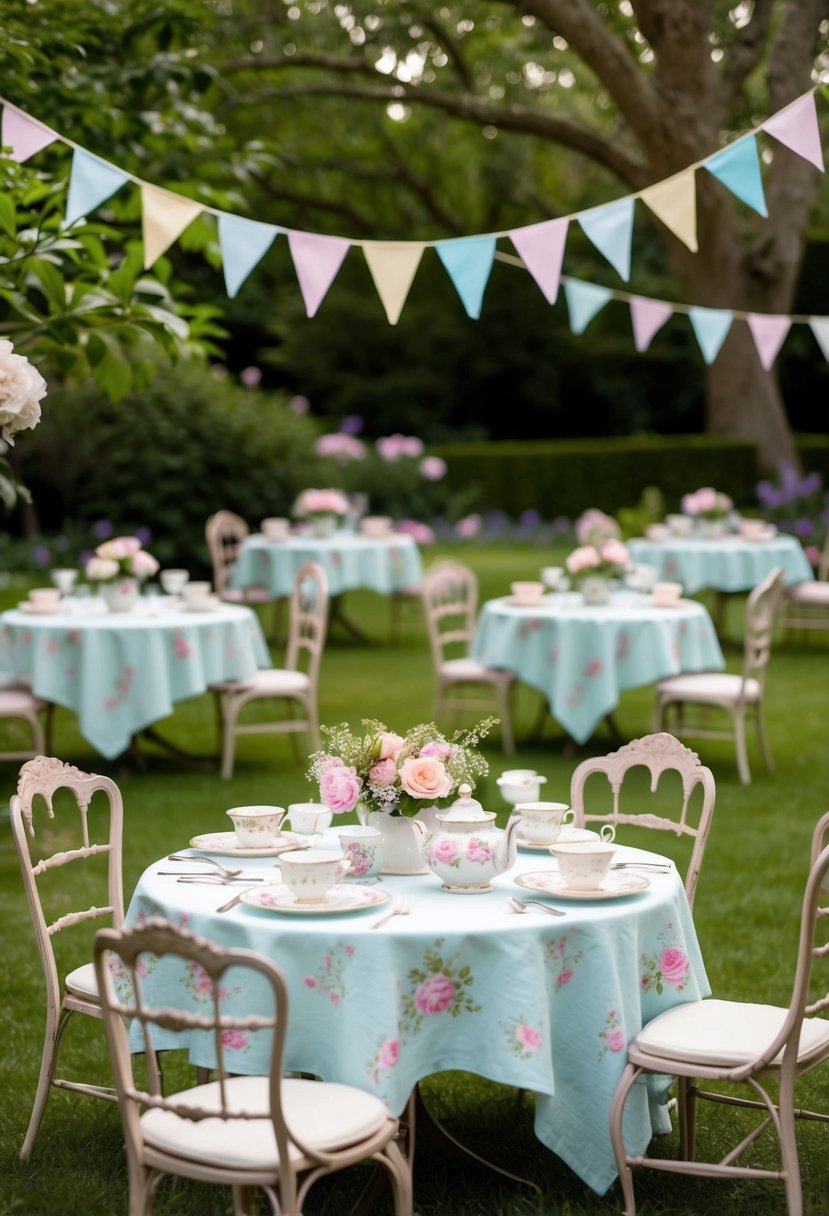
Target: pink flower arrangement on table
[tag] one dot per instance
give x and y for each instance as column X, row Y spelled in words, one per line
column 395, row 773
column 593, row 527
column 707, row 503
column 606, row 560
column 121, row 557
column 321, row 502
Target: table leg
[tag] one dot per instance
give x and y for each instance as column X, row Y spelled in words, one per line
column 337, row 616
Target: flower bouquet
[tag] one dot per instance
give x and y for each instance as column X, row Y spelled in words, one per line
column 121, row 557
column 606, row 560
column 594, row 527
column 396, row 774
column 323, row 508
column 707, row 503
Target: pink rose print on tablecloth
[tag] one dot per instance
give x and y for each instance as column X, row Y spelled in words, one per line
column 123, row 684
column 435, row 995
column 594, row 668
column 577, row 695
column 523, row 1039
column 612, row 1035
column 528, row 627
column 440, row 986
column 200, row 986
column 386, row 1057
column 329, row 978
column 181, row 647
column 667, row 965
column 562, row 959
column 234, row 1040
column 622, row 645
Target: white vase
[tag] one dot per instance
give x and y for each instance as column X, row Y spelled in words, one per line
column 402, row 843
column 120, row 595
column 596, row 589
column 323, row 526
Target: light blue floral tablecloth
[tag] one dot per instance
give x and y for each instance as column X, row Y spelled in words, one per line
column 119, row 672
column 350, row 561
column 729, row 564
column 581, row 657
column 462, row 983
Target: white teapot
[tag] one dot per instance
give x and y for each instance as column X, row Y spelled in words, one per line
column 466, row 851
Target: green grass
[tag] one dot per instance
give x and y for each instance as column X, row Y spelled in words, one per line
column 746, row 913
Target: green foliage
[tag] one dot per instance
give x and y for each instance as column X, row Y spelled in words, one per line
column 649, row 510
column 168, row 456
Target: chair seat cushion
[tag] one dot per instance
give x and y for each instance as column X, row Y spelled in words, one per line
column 816, row 594
column 18, row 700
column 271, row 682
column 471, row 669
column 324, row 1115
column 724, row 1033
column 82, row 981
column 709, row 686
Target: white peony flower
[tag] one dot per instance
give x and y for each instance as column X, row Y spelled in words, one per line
column 143, row 564
column 21, row 388
column 101, row 568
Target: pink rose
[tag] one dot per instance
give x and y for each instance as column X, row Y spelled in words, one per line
column 383, row 773
column 234, row 1039
column 616, row 1040
column 119, row 547
column 528, row 1036
column 340, row 788
column 435, row 994
column 445, row 850
column 425, row 777
column 673, row 963
column 143, row 564
column 442, row 750
column 583, row 558
column 389, row 1053
column 614, row 551
column 433, row 468
column 564, row 977
column 390, row 745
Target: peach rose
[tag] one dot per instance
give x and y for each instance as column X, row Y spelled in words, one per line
column 425, row 777
column 389, row 745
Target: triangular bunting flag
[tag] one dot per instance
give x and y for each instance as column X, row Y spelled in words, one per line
column 610, row 229
column 23, row 135
column 164, row 217
column 646, row 317
column 584, row 300
column 797, row 128
column 393, row 265
column 738, row 168
column 820, row 328
column 768, row 331
column 711, row 326
column 243, row 244
column 317, row 259
column 91, row 182
column 468, row 262
column 541, row 247
column 674, row 201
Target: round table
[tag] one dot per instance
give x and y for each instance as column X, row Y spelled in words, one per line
column 581, row 657
column 351, row 561
column 121, row 671
column 463, row 982
column 727, row 564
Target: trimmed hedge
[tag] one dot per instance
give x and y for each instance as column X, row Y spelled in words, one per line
column 565, row 477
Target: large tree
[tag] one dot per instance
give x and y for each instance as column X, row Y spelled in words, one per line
column 641, row 88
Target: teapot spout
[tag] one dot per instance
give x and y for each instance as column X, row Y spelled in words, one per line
column 508, row 853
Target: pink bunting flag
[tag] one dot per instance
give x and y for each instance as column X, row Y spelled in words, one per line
column 541, row 247
column 768, row 331
column 316, row 262
column 646, row 317
column 797, row 128
column 22, row 134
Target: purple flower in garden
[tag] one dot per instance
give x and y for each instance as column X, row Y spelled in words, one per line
column 41, row 555
column 496, row 523
column 300, row 405
column 144, row 534
column 102, row 528
column 352, row 424
column 433, row 468
column 562, row 524
column 810, row 485
column 529, row 519
column 251, row 377
column 803, row 527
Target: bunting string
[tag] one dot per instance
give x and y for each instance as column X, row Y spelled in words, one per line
column 468, row 261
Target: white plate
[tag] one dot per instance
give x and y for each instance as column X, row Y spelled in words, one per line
column 45, row 610
column 205, row 606
column 226, row 844
column 275, row 897
column 566, row 835
column 550, row 882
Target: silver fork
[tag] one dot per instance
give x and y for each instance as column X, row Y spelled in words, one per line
column 403, row 905
column 223, row 870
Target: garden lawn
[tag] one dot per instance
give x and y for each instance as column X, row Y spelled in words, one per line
column 747, row 910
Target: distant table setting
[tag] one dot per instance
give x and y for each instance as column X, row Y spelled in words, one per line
column 395, row 977
column 120, row 671
column 581, row 656
column 728, row 563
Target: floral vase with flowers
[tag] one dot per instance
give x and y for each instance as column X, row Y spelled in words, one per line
column 324, row 509
column 119, row 565
column 390, row 778
column 710, row 508
column 593, row 568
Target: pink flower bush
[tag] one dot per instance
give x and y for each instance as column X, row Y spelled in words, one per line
column 469, row 526
column 340, row 447
column 340, row 789
column 435, row 995
column 321, row 502
column 392, row 447
column 433, row 468
column 425, row 777
column 593, row 527
column 674, row 964
column 422, row 533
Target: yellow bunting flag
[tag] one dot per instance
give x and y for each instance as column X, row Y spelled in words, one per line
column 164, row 217
column 674, row 201
column 393, row 265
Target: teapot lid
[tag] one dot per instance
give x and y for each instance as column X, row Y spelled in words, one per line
column 465, row 807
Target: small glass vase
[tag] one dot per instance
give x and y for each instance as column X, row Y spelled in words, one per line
column 121, row 594
column 323, row 526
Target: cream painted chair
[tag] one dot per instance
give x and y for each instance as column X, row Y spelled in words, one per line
column 739, row 1044
column 806, row 605
column 450, row 601
column 306, row 640
column 77, row 838
column 659, row 754
column 740, row 696
column 17, row 702
column 224, row 533
column 268, row 1133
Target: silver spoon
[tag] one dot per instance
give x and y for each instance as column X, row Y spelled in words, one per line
column 223, row 870
column 521, row 905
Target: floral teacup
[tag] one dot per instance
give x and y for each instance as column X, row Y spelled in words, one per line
column 541, row 822
column 584, row 864
column 256, row 826
column 363, row 846
column 311, row 874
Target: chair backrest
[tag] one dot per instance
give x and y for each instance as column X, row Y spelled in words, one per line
column 91, row 835
column 657, row 753
column 450, row 601
column 761, row 610
column 220, row 1017
column 308, row 620
column 224, row 533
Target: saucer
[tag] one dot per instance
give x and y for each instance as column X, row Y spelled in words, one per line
column 276, row 897
column 208, row 605
column 39, row 609
column 567, row 835
column 679, row 602
column 614, row 886
column 516, row 601
column 226, row 844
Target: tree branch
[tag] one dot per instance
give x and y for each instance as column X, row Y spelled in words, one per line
column 748, row 48
column 452, row 49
